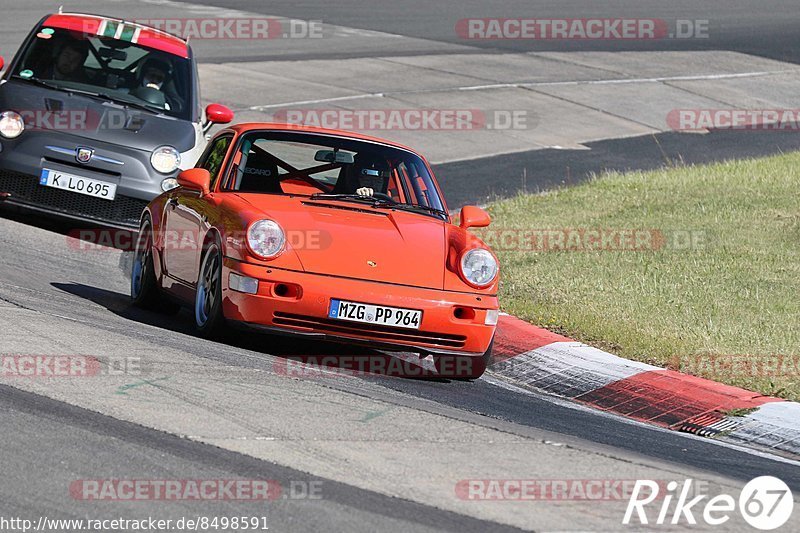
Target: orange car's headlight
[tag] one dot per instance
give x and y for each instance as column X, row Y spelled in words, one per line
column 478, row 267
column 265, row 239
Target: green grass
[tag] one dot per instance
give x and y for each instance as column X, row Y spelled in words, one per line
column 733, row 296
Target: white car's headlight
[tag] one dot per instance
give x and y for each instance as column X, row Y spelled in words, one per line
column 479, row 267
column 265, row 238
column 165, row 159
column 11, row 124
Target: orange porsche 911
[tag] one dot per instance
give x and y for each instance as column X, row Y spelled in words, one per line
column 321, row 233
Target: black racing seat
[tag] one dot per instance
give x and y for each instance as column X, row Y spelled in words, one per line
column 367, row 170
column 347, row 182
column 259, row 174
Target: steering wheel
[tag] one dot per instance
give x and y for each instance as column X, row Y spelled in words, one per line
column 382, row 196
column 175, row 103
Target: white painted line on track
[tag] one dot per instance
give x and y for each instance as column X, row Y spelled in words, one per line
column 523, row 85
column 617, row 81
column 318, row 101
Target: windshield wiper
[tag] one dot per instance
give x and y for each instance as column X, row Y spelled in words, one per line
column 356, row 197
column 51, row 85
column 379, row 202
column 40, row 83
column 105, row 96
column 144, row 107
column 410, row 207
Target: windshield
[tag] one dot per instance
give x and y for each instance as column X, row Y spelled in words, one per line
column 327, row 167
column 116, row 69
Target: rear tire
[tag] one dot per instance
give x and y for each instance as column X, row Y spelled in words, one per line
column 208, row 319
column 463, row 367
column 145, row 292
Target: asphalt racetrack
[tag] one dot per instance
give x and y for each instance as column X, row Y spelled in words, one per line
column 365, row 452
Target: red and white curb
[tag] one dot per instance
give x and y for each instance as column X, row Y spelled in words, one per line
column 549, row 362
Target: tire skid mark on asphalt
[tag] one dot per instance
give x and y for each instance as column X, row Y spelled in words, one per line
column 122, row 390
column 15, row 304
column 38, row 292
column 361, row 414
column 52, row 336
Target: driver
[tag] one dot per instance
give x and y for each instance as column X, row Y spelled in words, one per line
column 155, row 74
column 68, row 65
column 371, row 175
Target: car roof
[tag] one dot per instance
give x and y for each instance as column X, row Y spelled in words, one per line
column 277, row 126
column 120, row 29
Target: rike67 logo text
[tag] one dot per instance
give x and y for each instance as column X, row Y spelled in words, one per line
column 765, row 503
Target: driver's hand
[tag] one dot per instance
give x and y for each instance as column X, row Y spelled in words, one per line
column 365, row 191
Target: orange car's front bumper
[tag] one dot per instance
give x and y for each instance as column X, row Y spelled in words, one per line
column 298, row 303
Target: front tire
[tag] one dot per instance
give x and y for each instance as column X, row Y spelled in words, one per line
column 463, row 367
column 208, row 319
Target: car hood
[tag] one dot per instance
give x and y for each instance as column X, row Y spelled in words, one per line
column 93, row 119
column 356, row 241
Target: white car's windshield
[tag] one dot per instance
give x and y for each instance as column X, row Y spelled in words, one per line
column 116, row 69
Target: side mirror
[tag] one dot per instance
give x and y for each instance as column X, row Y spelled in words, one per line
column 473, row 216
column 197, row 179
column 218, row 114
column 1, row 63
